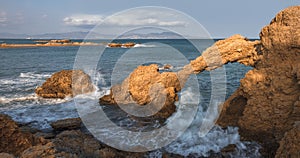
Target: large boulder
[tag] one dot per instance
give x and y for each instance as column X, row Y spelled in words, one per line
column 146, row 86
column 267, row 104
column 66, row 83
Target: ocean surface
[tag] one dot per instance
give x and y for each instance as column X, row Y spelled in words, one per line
column 23, row 69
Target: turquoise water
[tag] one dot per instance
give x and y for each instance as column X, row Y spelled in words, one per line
column 23, row 69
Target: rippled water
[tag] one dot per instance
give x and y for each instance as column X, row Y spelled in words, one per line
column 23, row 69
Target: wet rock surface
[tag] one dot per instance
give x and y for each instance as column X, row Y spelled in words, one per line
column 66, row 83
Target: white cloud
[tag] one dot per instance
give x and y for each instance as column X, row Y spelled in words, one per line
column 140, row 18
column 3, row 17
column 83, row 20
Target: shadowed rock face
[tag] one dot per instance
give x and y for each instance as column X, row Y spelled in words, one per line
column 66, row 83
column 267, row 104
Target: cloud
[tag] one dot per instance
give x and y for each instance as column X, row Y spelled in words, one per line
column 83, row 20
column 140, row 18
column 3, row 18
column 44, row 16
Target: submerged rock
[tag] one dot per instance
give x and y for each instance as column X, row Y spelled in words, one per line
column 66, row 83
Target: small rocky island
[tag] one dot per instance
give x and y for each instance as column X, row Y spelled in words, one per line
column 121, row 45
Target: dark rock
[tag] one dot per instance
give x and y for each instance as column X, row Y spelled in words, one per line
column 48, row 135
column 66, row 124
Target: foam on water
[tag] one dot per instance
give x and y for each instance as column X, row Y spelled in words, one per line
column 41, row 116
column 144, row 45
column 24, row 82
column 19, row 91
column 197, row 142
column 26, row 107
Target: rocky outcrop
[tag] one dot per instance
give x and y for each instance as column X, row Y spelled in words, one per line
column 146, row 85
column 119, row 45
column 60, row 41
column 14, row 141
column 128, row 45
column 66, row 83
column 114, row 45
column 267, row 104
column 233, row 49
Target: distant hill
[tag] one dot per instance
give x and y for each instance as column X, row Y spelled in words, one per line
column 162, row 35
column 92, row 35
column 12, row 36
column 67, row 35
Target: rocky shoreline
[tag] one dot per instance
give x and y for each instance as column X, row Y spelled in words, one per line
column 266, row 106
column 68, row 138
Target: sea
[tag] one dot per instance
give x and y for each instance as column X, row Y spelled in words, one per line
column 22, row 70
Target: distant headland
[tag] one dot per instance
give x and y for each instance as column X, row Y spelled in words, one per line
column 65, row 42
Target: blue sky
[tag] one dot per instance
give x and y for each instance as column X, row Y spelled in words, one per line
column 220, row 18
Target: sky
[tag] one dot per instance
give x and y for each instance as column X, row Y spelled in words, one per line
column 219, row 18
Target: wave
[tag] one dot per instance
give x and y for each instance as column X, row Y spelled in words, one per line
column 30, row 99
column 144, row 45
column 34, row 75
column 25, row 78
